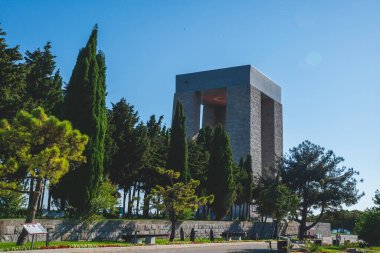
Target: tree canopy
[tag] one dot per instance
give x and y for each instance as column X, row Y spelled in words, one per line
column 178, row 151
column 319, row 180
column 40, row 147
column 220, row 173
column 176, row 198
column 85, row 107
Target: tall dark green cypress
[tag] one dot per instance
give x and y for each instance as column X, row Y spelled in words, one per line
column 178, row 154
column 248, row 184
column 86, row 109
column 220, row 173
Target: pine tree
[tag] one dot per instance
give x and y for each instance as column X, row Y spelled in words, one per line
column 178, row 154
column 43, row 146
column 43, row 83
column 85, row 108
column 12, row 79
column 220, row 173
column 128, row 150
column 157, row 157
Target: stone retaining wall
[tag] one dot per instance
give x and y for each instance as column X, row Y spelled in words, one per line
column 112, row 230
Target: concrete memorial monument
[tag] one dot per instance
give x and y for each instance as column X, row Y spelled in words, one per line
column 244, row 100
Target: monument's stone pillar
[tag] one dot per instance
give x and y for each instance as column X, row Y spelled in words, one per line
column 255, row 133
column 243, row 123
column 191, row 102
column 278, row 129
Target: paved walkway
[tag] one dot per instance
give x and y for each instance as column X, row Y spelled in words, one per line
column 236, row 247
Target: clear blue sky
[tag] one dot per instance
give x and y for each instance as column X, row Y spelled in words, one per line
column 324, row 54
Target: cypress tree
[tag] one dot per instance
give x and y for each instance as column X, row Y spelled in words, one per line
column 220, row 173
column 178, row 154
column 86, row 109
column 248, row 184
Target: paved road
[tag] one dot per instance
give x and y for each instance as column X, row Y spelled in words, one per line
column 244, row 247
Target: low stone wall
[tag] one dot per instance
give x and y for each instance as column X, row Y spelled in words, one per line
column 112, row 230
column 323, row 229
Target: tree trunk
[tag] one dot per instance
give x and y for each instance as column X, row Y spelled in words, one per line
column 146, row 203
column 41, row 203
column 130, row 203
column 32, row 209
column 49, row 199
column 302, row 228
column 31, row 189
column 138, row 200
column 124, row 199
column 63, row 204
column 276, row 229
column 248, row 214
column 263, row 228
column 172, row 231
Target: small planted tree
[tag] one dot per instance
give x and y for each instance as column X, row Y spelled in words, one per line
column 177, row 198
column 274, row 199
column 38, row 147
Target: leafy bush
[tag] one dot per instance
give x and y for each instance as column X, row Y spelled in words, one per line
column 368, row 226
column 106, row 199
column 311, row 247
column 10, row 204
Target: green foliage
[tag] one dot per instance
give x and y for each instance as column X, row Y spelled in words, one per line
column 376, row 199
column 198, row 165
column 319, row 180
column 178, row 198
column 341, row 219
column 368, row 226
column 311, row 247
column 220, row 173
column 106, row 200
column 10, row 203
column 157, row 157
column 12, row 79
column 248, row 181
column 43, row 85
column 274, row 199
column 240, row 178
column 29, row 84
column 40, row 147
column 178, row 153
column 85, row 108
column 131, row 144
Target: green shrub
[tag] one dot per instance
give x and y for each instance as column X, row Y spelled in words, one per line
column 368, row 226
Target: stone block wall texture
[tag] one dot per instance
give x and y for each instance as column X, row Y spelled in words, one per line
column 191, row 102
column 255, row 149
column 112, row 230
column 321, row 228
column 238, row 123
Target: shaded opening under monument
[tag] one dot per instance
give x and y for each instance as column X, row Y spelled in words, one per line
column 214, row 107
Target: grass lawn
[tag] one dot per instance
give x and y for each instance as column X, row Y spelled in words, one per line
column 334, row 249
column 7, row 246
column 11, row 246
